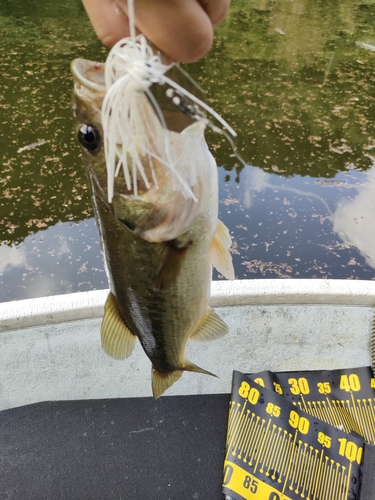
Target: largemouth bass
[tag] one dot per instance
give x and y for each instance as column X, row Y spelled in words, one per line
column 158, row 241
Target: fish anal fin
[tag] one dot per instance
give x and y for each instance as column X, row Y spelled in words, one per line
column 117, row 339
column 170, row 264
column 161, row 381
column 211, row 328
column 220, row 255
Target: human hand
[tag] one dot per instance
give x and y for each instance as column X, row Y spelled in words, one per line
column 182, row 29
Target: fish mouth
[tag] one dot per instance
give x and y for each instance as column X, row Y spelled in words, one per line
column 89, row 79
column 90, row 74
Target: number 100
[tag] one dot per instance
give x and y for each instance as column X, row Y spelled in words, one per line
column 350, row 450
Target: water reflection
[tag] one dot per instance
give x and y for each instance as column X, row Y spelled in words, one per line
column 354, row 219
column 302, row 101
column 257, row 180
column 64, row 258
column 285, row 228
column 11, row 257
column 294, row 78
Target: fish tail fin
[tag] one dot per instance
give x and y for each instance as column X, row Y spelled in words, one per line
column 161, row 381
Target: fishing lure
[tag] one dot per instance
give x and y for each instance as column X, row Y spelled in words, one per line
column 136, row 135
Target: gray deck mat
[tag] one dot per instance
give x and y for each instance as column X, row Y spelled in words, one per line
column 139, row 449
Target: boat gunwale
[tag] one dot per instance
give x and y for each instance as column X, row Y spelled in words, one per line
column 85, row 305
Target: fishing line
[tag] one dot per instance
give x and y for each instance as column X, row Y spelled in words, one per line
column 302, row 193
column 188, row 77
column 131, row 17
column 218, row 130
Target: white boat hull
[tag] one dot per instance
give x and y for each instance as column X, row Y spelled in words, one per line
column 50, row 347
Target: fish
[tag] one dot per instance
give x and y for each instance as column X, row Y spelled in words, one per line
column 159, row 230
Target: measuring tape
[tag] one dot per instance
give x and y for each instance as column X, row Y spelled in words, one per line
column 342, row 398
column 299, row 435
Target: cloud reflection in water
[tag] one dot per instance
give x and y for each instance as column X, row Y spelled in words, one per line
column 354, row 220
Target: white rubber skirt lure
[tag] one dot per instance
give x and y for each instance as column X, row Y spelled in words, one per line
column 135, row 132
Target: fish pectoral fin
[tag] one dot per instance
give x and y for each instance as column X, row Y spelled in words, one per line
column 171, row 260
column 212, row 328
column 161, row 381
column 118, row 340
column 151, row 219
column 220, row 256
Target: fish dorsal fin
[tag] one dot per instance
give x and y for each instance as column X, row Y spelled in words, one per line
column 117, row 339
column 220, row 255
column 161, row 381
column 212, row 327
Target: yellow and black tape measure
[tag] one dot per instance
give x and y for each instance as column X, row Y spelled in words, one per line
column 342, row 398
column 298, row 435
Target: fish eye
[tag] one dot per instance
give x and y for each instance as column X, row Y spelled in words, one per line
column 89, row 137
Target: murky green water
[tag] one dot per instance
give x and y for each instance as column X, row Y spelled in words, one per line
column 294, row 78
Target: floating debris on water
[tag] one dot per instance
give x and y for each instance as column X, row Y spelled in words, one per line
column 33, row 145
column 366, row 46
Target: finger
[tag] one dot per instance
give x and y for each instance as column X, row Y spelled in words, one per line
column 216, row 10
column 180, row 28
column 183, row 29
column 109, row 21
